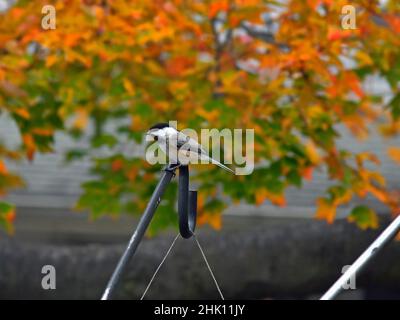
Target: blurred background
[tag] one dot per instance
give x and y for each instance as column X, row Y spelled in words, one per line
column 76, row 100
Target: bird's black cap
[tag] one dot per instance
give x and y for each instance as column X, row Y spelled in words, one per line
column 161, row 125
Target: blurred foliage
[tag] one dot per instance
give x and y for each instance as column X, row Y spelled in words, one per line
column 275, row 66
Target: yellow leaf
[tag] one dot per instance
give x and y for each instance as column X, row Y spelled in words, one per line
column 211, row 116
column 312, row 153
column 364, row 58
column 81, row 119
column 345, row 198
column 128, row 86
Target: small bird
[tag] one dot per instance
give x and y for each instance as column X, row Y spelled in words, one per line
column 179, row 147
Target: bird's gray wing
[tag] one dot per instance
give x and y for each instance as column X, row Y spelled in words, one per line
column 189, row 144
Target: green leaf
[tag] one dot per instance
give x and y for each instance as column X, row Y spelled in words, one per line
column 364, row 217
column 294, row 178
column 104, row 140
column 6, row 208
column 75, row 154
column 394, row 105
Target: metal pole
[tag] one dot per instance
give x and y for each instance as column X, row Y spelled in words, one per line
column 139, row 233
column 384, row 238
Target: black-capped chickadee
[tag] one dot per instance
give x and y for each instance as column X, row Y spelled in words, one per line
column 179, row 147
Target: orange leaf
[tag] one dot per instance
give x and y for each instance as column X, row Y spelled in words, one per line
column 308, row 173
column 71, row 39
column 261, row 196
column 51, row 60
column 325, row 210
column 394, row 154
column 23, row 113
column 394, row 22
column 43, row 132
column 3, row 168
column 117, row 165
column 354, row 83
column 313, row 4
column 214, row 220
column 132, row 174
column 380, row 194
column 30, row 145
column 10, row 216
column 178, row 65
column 216, row 7
column 335, row 34
column 277, row 199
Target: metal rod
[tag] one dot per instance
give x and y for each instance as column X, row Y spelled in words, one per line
column 384, row 238
column 139, row 232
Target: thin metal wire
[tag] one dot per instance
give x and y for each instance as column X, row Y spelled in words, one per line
column 159, row 267
column 208, row 266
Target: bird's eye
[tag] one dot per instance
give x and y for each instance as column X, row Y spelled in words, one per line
column 156, row 138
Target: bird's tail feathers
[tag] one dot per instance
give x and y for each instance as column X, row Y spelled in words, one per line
column 219, row 164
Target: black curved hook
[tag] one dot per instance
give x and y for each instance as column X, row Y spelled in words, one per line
column 187, row 204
